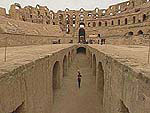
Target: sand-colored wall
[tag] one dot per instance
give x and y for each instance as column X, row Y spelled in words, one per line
column 29, row 87
column 121, row 84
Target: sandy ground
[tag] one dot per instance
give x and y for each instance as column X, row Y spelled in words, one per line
column 17, row 56
column 71, row 99
column 133, row 56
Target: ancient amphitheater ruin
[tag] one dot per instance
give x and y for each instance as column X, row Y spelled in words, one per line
column 42, row 50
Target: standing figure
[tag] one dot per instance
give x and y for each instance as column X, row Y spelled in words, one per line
column 102, row 41
column 98, row 41
column 79, row 79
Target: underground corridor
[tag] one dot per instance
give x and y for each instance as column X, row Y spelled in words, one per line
column 69, row 98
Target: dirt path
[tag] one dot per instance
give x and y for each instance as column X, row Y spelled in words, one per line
column 71, row 99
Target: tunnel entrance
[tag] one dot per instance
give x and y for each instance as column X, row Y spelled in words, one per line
column 94, row 65
column 56, row 75
column 100, row 84
column 65, row 66
column 82, row 35
column 19, row 109
column 81, row 50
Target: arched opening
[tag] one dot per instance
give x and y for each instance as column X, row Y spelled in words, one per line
column 112, row 22
column 56, row 76
column 126, row 21
column 20, row 109
column 134, row 19
column 118, row 22
column 53, row 23
column 96, row 10
column 17, row 6
column 100, row 84
column 81, row 25
column 81, row 50
column 144, row 17
column 81, row 35
column 67, row 30
column 65, row 66
column 38, row 13
column 60, row 17
column 94, row 65
column 106, row 23
column 67, row 9
column 89, row 24
column 123, row 108
column 140, row 32
column 94, row 24
column 100, row 23
column 130, row 33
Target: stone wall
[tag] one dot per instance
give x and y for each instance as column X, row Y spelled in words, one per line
column 122, row 19
column 125, row 90
column 9, row 40
column 18, row 33
column 2, row 11
column 29, row 88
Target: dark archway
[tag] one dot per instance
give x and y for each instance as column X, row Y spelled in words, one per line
column 81, row 35
column 89, row 24
column 144, row 17
column 56, row 76
column 134, row 19
column 81, row 50
column 53, row 23
column 82, row 25
column 126, row 21
column 65, row 67
column 130, row 33
column 140, row 32
column 100, row 23
column 94, row 24
column 94, row 65
column 100, row 84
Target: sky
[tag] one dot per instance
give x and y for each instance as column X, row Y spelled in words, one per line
column 62, row 4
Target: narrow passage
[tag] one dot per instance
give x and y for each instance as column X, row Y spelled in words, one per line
column 71, row 99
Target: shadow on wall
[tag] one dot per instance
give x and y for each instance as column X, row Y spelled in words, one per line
column 94, row 65
column 55, row 77
column 65, row 66
column 100, row 84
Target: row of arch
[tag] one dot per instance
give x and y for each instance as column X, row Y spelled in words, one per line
column 140, row 32
column 99, row 73
column 112, row 23
column 56, row 73
column 56, row 70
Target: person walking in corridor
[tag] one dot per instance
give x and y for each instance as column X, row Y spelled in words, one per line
column 79, row 79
